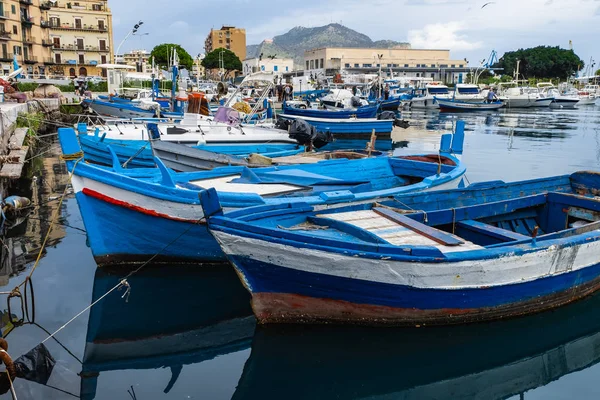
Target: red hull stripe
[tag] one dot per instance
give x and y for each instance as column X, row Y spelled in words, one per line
column 100, row 196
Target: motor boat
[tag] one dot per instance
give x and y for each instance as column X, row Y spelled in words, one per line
column 560, row 100
column 428, row 95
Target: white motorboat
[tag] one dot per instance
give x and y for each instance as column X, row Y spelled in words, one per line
column 560, row 100
column 468, row 92
column 427, row 99
column 589, row 94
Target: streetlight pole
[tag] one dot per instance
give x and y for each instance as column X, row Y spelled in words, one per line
column 222, row 64
column 133, row 31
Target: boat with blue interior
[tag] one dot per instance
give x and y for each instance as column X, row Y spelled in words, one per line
column 456, row 105
column 130, row 214
column 489, row 251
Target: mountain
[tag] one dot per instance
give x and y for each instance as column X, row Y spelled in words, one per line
column 299, row 39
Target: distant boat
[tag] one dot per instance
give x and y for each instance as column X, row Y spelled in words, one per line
column 559, row 100
column 454, row 105
column 131, row 214
column 360, row 112
column 347, row 126
column 426, row 97
column 490, row 251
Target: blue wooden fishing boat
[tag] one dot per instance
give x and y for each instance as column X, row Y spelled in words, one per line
column 348, row 126
column 360, row 112
column 132, row 214
column 456, row 105
column 391, row 104
column 128, row 110
column 490, row 251
column 140, row 153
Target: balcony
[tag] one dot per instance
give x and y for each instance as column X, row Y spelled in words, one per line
column 26, row 21
column 29, row 40
column 84, row 7
column 26, row 2
column 49, row 61
column 71, row 47
column 73, row 27
column 6, row 56
column 4, row 14
column 77, row 62
column 46, row 5
column 47, row 43
column 29, row 59
column 5, row 35
column 45, row 24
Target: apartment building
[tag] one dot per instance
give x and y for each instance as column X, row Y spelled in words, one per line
column 81, row 36
column 23, row 37
column 228, row 37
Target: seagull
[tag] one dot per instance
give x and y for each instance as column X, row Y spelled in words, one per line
column 487, row 4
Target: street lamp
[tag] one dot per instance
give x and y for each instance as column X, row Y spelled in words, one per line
column 221, row 64
column 132, row 32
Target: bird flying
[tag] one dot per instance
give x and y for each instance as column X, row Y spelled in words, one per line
column 487, row 4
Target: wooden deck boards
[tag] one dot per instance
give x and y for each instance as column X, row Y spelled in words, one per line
column 394, row 233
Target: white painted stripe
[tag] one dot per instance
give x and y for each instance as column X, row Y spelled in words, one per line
column 509, row 269
column 185, row 211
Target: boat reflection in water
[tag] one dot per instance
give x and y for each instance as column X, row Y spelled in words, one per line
column 482, row 361
column 173, row 316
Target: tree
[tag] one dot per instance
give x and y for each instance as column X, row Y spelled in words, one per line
column 231, row 62
column 541, row 62
column 164, row 52
column 597, row 73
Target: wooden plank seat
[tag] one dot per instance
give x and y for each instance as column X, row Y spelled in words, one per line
column 490, row 230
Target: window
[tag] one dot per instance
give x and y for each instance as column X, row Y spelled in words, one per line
column 72, row 72
column 54, row 21
column 367, row 65
column 347, row 65
column 103, row 59
column 101, row 25
column 405, row 65
column 13, row 9
column 79, row 44
column 418, row 75
column 432, row 65
column 322, row 63
column 286, row 69
column 432, row 76
column 78, row 24
column 378, row 65
column 395, row 65
column 356, row 65
column 57, row 58
column 307, row 64
column 418, row 65
column 220, row 42
column 15, row 30
column 453, row 66
column 275, row 68
column 461, row 65
column 56, row 42
column 443, row 65
column 312, row 64
column 81, row 59
column 17, row 50
column 102, row 44
column 389, row 65
column 97, row 7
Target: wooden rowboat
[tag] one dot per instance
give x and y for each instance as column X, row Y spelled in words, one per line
column 490, row 251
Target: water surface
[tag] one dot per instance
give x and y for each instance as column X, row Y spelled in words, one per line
column 188, row 332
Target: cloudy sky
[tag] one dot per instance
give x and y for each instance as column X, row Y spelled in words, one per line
column 462, row 26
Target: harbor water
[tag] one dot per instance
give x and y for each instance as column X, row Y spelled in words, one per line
column 187, row 332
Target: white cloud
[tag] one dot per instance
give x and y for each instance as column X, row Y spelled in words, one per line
column 442, row 36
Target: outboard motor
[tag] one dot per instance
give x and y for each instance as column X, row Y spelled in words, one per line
column 283, row 124
column 322, row 139
column 356, row 101
column 302, row 132
column 387, row 115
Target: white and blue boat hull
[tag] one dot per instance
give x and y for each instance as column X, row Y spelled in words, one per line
column 297, row 283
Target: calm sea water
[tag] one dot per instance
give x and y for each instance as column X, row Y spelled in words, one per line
column 188, row 332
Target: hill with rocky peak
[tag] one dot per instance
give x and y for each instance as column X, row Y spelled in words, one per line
column 294, row 43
